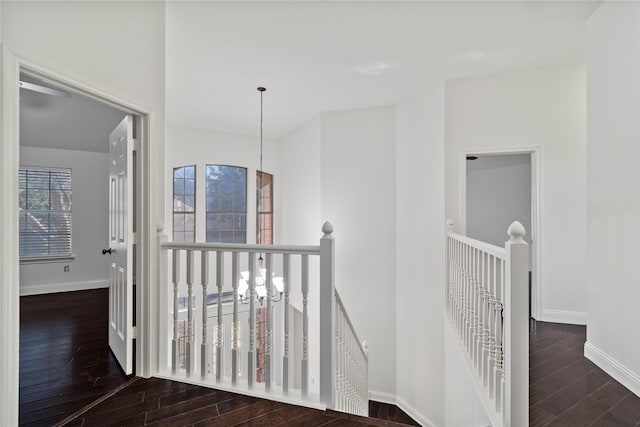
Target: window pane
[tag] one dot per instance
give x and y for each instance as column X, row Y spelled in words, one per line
column 38, row 199
column 178, row 222
column 178, row 186
column 226, row 189
column 189, row 187
column 189, row 203
column 264, row 217
column 60, row 200
column 184, row 200
column 178, row 203
column 190, row 172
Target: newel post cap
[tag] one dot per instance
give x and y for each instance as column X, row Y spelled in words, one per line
column 516, row 231
column 327, row 229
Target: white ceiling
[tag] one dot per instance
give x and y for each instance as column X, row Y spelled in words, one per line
column 68, row 123
column 324, row 56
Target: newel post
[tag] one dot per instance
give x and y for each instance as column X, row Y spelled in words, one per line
column 516, row 324
column 327, row 314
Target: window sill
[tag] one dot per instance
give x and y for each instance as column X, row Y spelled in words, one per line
column 46, row 259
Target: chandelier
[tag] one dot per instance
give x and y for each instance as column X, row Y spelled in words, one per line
column 260, row 279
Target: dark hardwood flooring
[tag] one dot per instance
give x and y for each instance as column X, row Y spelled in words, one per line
column 68, row 376
column 566, row 389
column 65, row 362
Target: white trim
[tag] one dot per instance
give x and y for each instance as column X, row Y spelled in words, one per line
column 146, row 355
column 392, row 399
column 9, row 261
column 537, row 208
column 414, row 413
column 51, row 288
column 46, row 259
column 611, row 366
column 380, row 396
column 562, row 316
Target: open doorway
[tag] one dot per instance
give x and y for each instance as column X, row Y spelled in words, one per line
column 499, row 188
column 65, row 221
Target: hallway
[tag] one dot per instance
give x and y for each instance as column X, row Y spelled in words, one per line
column 65, row 365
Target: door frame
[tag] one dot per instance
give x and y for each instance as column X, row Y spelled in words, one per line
column 537, row 284
column 146, row 299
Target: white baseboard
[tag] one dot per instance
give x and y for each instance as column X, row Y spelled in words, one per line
column 379, row 396
column 561, row 316
column 611, row 366
column 392, row 399
column 51, row 288
column 413, row 413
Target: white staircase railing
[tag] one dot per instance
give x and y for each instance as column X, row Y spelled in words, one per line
column 261, row 344
column 487, row 303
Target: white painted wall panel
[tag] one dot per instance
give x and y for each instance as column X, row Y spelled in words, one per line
column 613, row 190
column 420, row 255
column 358, row 197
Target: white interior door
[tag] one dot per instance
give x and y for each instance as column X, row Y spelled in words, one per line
column 121, row 240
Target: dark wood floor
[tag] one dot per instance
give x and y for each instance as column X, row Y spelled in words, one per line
column 566, row 389
column 65, row 362
column 65, row 367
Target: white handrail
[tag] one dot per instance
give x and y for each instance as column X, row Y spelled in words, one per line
column 241, row 247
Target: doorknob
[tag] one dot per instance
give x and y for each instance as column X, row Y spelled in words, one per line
column 106, row 251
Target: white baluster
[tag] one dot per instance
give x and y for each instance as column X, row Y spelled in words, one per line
column 305, row 325
column 235, row 277
column 267, row 356
column 220, row 343
column 175, row 279
column 251, row 374
column 285, row 358
column 190, row 350
column 204, row 278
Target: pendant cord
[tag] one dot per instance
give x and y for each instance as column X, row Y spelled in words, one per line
column 261, row 90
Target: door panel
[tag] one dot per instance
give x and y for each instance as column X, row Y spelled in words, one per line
column 121, row 243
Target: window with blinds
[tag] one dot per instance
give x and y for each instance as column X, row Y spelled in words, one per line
column 45, row 212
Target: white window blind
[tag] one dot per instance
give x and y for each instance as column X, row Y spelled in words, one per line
column 45, row 212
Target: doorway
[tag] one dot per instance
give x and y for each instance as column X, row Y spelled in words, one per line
column 64, row 223
column 500, row 187
column 14, row 67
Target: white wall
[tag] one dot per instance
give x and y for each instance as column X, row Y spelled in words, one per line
column 498, row 193
column 299, row 205
column 613, row 191
column 187, row 146
column 420, row 261
column 545, row 109
column 90, row 230
column 358, row 197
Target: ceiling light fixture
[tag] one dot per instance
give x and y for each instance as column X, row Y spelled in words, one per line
column 260, row 278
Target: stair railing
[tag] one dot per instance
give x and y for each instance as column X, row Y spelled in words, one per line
column 208, row 322
column 487, row 305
